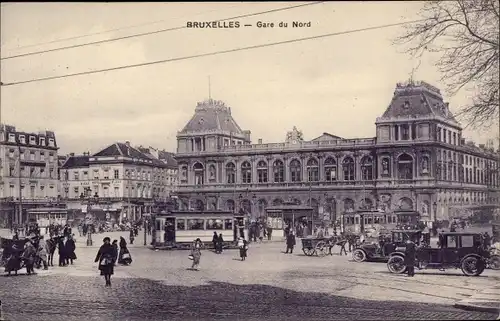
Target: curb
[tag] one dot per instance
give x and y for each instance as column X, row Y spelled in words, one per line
column 475, row 307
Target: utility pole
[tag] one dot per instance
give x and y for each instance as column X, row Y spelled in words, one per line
column 20, row 214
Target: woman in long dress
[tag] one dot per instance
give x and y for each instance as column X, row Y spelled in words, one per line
column 105, row 257
column 124, row 257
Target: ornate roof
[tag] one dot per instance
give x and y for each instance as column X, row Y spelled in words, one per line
column 212, row 115
column 414, row 99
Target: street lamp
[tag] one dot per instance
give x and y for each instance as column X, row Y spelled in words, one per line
column 254, row 202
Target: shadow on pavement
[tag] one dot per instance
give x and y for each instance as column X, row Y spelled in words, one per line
column 77, row 298
column 444, row 273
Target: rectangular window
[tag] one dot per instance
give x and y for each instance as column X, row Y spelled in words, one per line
column 12, row 170
column 77, row 176
column 117, row 192
column 468, row 241
column 11, row 153
column 12, row 138
column 32, row 172
column 96, row 174
column 22, row 139
column 76, row 190
column 51, row 173
column 32, row 140
column 196, row 224
column 228, row 224
column 51, row 142
column 42, row 156
column 117, row 174
column 42, row 141
column 32, row 156
column 451, row 241
column 215, row 224
column 181, row 225
column 42, row 172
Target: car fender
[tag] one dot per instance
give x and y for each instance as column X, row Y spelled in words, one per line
column 396, row 254
column 472, row 255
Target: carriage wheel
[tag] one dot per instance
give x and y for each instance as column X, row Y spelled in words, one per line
column 321, row 249
column 309, row 251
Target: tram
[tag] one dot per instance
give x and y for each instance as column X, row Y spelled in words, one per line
column 374, row 222
column 181, row 227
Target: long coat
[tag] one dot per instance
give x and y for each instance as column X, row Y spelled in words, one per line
column 70, row 248
column 290, row 240
column 410, row 254
column 106, row 252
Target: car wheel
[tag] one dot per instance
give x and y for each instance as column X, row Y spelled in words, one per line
column 396, row 264
column 359, row 256
column 495, row 262
column 471, row 266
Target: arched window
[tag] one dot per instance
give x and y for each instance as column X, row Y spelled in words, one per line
column 312, row 170
column 348, row 169
column 295, row 171
column 261, row 207
column 262, row 172
column 229, row 205
column 199, row 174
column 405, row 167
column 246, row 172
column 330, row 169
column 230, row 173
column 331, row 209
column 279, row 171
column 348, row 205
column 367, row 204
column 246, row 206
column 367, row 168
column 184, row 174
column 407, row 204
column 211, row 173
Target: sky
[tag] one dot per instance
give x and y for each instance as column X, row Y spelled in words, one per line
column 338, row 85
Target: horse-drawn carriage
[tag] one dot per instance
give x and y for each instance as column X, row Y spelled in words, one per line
column 319, row 246
column 11, row 257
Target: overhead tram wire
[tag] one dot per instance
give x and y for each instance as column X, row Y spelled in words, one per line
column 101, row 32
column 213, row 53
column 156, row 31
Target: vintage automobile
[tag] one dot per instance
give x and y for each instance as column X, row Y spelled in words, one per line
column 458, row 250
column 387, row 245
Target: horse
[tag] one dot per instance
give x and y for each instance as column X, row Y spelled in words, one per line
column 51, row 246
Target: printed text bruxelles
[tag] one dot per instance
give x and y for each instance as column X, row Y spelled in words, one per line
column 213, row 24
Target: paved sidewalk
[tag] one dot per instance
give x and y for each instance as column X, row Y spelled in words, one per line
column 487, row 300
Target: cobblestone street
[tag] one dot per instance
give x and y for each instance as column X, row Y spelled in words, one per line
column 159, row 286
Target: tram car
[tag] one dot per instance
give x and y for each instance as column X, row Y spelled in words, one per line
column 180, row 228
column 373, row 222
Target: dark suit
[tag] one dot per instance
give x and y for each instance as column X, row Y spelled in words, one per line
column 410, row 255
column 290, row 242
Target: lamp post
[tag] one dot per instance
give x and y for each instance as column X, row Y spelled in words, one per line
column 254, row 202
column 90, row 200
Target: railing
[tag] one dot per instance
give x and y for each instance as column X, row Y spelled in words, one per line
column 362, row 142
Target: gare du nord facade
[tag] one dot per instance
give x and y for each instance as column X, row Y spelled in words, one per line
column 418, row 161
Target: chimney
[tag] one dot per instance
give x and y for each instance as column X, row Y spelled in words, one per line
column 260, row 141
column 127, row 143
column 71, row 154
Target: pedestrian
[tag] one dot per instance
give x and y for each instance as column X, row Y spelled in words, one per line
column 196, row 253
column 124, row 257
column 215, row 239
column 219, row 244
column 105, row 257
column 131, row 236
column 70, row 248
column 115, row 251
column 28, row 256
column 62, row 251
column 410, row 256
column 269, row 233
column 42, row 253
column 261, row 234
column 487, row 241
column 342, row 243
column 241, row 247
column 290, row 242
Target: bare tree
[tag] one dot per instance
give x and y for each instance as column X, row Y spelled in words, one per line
column 466, row 35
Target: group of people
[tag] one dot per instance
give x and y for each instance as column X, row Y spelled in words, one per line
column 109, row 254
